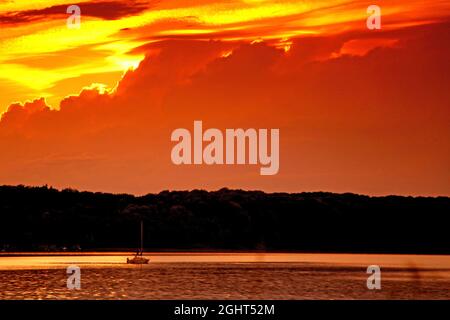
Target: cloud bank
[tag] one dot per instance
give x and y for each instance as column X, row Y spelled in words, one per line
column 356, row 113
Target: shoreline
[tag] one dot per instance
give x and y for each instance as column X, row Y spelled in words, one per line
column 204, row 252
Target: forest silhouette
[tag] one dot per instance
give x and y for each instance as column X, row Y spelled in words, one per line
column 46, row 219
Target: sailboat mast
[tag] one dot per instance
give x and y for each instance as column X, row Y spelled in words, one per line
column 142, row 236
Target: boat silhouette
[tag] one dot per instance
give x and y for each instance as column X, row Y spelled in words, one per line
column 139, row 258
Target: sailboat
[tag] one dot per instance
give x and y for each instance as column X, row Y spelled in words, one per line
column 139, row 258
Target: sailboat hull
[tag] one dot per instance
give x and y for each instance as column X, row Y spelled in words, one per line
column 137, row 260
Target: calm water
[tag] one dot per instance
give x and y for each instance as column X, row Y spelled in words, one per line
column 225, row 276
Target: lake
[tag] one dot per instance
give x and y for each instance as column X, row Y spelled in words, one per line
column 224, row 276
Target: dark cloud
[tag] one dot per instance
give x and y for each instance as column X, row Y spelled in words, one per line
column 108, row 10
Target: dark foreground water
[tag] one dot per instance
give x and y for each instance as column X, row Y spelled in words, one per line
column 226, row 276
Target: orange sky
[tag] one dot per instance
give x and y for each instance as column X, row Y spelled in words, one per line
column 358, row 110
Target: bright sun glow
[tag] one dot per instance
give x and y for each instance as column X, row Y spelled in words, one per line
column 104, row 47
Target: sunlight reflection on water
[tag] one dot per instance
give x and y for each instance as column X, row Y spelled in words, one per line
column 225, row 276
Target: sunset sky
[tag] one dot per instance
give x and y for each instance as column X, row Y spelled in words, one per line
column 364, row 111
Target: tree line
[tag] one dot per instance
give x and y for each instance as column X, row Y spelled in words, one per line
column 46, row 219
